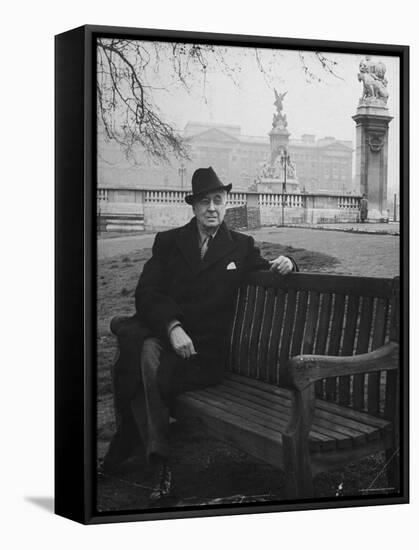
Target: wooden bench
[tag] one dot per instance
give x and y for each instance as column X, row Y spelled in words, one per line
column 311, row 381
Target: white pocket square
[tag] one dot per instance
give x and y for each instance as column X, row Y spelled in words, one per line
column 231, row 265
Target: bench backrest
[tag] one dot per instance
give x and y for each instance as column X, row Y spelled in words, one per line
column 280, row 317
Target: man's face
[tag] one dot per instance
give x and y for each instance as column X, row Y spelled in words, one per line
column 210, row 210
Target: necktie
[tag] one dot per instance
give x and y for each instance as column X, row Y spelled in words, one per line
column 205, row 245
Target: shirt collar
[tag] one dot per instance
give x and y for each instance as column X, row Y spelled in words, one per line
column 203, row 235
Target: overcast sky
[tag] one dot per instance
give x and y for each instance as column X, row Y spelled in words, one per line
column 322, row 108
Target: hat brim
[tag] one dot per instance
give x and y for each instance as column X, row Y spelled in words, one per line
column 190, row 199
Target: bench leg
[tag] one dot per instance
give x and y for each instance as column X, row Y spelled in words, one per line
column 297, row 464
column 298, row 475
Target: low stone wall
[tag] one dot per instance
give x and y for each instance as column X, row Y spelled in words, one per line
column 236, row 217
column 161, row 209
column 120, row 208
column 330, row 215
column 253, row 217
column 158, row 216
column 272, row 215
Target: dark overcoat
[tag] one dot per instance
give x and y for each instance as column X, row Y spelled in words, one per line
column 177, row 284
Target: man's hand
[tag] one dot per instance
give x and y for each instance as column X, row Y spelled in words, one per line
column 181, row 342
column 281, row 265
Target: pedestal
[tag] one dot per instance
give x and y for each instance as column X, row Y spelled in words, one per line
column 372, row 157
column 279, row 139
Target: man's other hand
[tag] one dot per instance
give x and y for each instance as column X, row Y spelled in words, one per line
column 281, row 265
column 181, row 342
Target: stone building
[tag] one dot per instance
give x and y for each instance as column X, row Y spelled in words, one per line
column 322, row 165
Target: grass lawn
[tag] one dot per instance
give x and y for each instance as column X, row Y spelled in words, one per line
column 205, row 470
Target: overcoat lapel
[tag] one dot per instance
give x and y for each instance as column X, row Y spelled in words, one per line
column 187, row 242
column 221, row 245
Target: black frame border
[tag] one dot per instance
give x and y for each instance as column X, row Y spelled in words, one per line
column 75, row 271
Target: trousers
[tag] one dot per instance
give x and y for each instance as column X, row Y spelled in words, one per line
column 163, row 375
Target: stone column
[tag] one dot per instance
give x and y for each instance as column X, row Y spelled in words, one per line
column 279, row 139
column 372, row 124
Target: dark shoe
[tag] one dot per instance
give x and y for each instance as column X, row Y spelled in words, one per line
column 163, row 487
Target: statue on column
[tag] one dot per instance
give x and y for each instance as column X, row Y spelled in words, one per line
column 279, row 121
column 372, row 132
column 372, row 75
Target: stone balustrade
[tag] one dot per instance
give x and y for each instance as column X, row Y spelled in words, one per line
column 159, row 208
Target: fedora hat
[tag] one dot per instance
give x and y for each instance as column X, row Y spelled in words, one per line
column 205, row 180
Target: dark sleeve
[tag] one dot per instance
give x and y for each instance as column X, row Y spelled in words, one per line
column 152, row 302
column 255, row 262
column 294, row 263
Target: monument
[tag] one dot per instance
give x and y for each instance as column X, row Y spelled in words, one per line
column 372, row 120
column 278, row 173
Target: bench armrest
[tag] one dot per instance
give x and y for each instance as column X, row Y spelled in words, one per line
column 120, row 322
column 303, row 370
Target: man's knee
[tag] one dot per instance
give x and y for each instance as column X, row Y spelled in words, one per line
column 159, row 366
column 150, row 354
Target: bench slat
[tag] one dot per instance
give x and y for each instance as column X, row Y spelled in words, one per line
column 348, row 345
column 350, row 425
column 273, row 428
column 322, row 333
column 234, row 412
column 300, row 322
column 260, row 303
column 268, row 389
column 362, row 347
column 286, row 336
column 392, row 377
column 311, row 324
column 334, row 342
column 267, row 417
column 253, row 438
column 245, row 337
column 265, row 334
column 275, row 336
column 325, row 424
column 378, row 339
column 340, row 284
column 274, row 409
column 237, row 328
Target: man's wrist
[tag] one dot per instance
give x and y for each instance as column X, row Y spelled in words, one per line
column 172, row 325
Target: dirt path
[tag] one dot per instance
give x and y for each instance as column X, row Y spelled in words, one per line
column 371, row 255
column 108, row 248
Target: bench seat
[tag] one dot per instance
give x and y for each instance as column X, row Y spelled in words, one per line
column 254, row 415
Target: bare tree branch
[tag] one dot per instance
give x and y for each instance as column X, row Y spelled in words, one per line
column 127, row 71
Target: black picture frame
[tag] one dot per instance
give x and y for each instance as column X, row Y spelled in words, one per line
column 76, row 247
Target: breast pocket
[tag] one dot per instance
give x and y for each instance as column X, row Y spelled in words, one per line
column 231, row 273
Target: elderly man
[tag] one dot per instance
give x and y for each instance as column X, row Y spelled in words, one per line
column 184, row 302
